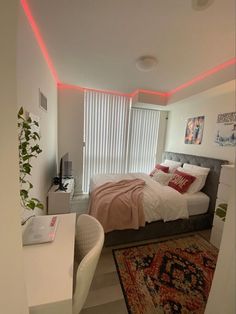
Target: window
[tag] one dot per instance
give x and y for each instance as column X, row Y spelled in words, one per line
column 117, row 139
column 105, row 134
column 144, row 125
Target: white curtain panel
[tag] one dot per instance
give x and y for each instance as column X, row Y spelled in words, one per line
column 106, row 120
column 143, row 140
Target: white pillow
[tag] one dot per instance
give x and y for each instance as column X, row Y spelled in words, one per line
column 173, row 165
column 199, row 174
column 197, row 169
column 162, row 177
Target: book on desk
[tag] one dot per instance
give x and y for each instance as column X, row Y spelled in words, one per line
column 40, row 229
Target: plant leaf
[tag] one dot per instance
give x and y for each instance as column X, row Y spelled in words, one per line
column 21, row 111
column 24, row 193
column 37, row 135
column 27, row 168
column 223, row 206
column 220, row 212
column 26, row 125
column 31, row 204
column 40, row 205
column 35, row 199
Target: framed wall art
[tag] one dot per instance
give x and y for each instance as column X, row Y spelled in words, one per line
column 226, row 129
column 194, row 130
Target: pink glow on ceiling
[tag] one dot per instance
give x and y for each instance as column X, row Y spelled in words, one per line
column 76, row 87
column 69, row 86
column 39, row 39
column 107, row 92
column 151, row 92
column 61, row 85
column 203, row 75
column 143, row 91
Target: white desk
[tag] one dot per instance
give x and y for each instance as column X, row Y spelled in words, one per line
column 49, row 271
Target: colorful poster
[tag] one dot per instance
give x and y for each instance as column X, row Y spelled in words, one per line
column 226, row 129
column 194, row 130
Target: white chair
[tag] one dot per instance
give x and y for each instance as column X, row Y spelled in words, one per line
column 89, row 243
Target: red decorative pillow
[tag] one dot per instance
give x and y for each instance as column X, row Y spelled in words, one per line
column 162, row 168
column 181, row 181
column 159, row 167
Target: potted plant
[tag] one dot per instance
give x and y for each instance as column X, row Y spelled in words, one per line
column 28, row 149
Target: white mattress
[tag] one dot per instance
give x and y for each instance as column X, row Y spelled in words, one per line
column 197, row 203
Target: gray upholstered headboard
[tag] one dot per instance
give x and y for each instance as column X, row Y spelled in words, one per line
column 212, row 181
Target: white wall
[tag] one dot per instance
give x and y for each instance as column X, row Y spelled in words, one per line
column 210, row 103
column 70, row 129
column 161, row 135
column 12, row 289
column 33, row 74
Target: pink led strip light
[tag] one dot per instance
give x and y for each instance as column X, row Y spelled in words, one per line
column 39, row 39
column 45, row 53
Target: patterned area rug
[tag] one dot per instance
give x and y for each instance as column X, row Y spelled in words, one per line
column 172, row 276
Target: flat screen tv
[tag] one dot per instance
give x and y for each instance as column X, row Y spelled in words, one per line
column 64, row 171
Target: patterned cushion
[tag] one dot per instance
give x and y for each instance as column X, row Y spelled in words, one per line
column 181, row 181
column 162, row 177
column 159, row 167
column 172, row 164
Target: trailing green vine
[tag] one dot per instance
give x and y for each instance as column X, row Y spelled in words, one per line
column 28, row 149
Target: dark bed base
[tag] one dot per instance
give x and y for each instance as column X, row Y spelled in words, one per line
column 159, row 229
column 194, row 223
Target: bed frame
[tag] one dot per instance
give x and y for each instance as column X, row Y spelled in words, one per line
column 160, row 228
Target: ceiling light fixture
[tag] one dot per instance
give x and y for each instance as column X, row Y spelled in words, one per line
column 201, row 4
column 146, row 63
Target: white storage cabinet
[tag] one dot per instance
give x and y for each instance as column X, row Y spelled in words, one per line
column 224, row 189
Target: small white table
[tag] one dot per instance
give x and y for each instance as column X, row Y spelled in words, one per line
column 59, row 201
column 49, row 270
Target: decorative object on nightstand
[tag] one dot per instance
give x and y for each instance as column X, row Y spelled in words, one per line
column 224, row 188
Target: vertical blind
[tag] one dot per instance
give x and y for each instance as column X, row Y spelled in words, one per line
column 106, row 119
column 143, row 140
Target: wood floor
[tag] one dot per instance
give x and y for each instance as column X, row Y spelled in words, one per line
column 105, row 295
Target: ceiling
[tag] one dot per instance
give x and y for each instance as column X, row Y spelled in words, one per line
column 95, row 44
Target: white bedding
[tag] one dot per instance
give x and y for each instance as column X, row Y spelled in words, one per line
column 159, row 202
column 197, row 203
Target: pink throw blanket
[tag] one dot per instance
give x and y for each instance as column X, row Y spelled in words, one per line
column 118, row 205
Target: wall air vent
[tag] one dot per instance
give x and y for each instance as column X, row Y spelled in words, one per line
column 43, row 103
column 201, row 4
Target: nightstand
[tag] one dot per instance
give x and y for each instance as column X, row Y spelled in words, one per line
column 59, row 202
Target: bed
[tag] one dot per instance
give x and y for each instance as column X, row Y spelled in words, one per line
column 200, row 205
